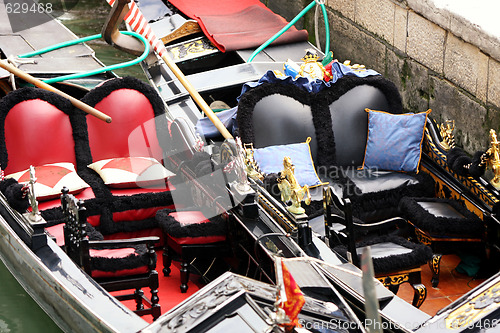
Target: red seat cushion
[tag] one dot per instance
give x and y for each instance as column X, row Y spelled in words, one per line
column 191, row 227
column 26, row 127
column 120, row 261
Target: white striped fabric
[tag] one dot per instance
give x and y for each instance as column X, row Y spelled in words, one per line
column 138, row 23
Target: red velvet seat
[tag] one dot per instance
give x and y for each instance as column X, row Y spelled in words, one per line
column 138, row 124
column 37, row 130
column 190, row 234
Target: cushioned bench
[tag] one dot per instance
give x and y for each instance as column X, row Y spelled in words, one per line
column 335, row 118
column 43, row 128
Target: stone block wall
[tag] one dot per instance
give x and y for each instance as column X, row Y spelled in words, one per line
column 437, row 59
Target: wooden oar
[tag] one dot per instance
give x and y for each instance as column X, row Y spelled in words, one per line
column 140, row 25
column 40, row 84
column 197, row 97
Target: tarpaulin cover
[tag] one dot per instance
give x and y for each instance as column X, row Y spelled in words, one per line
column 237, row 24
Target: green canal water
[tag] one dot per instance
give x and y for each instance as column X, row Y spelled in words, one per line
column 18, row 312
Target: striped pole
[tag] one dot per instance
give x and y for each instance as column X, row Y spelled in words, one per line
column 139, row 24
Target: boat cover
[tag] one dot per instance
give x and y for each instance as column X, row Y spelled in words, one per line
column 236, row 25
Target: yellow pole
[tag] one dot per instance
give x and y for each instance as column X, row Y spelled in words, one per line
column 40, row 84
column 196, row 96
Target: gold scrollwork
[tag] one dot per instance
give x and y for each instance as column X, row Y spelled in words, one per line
column 479, row 307
column 435, row 263
column 420, row 294
column 394, row 280
column 422, row 237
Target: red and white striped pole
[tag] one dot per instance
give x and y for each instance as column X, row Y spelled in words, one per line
column 139, row 24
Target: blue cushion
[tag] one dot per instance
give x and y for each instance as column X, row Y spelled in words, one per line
column 394, row 140
column 270, row 160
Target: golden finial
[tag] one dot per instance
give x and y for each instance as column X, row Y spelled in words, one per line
column 494, row 158
column 446, row 131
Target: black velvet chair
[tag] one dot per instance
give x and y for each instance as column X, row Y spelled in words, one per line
column 336, row 121
column 114, row 264
column 189, row 234
column 445, row 225
column 395, row 259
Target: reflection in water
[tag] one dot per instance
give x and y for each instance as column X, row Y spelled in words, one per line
column 87, row 18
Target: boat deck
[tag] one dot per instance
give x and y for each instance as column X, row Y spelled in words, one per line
column 451, row 286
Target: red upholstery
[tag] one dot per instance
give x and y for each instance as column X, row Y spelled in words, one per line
column 26, row 127
column 84, row 195
column 130, row 135
column 129, row 215
column 122, row 272
column 136, row 234
column 193, row 217
column 189, row 217
column 57, row 231
column 198, row 240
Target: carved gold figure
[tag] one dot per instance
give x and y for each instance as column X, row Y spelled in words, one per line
column 446, row 131
column 494, row 158
column 251, row 166
column 291, row 189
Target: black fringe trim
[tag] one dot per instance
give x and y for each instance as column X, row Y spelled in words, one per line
column 469, row 226
column 139, row 259
column 371, row 206
column 419, row 255
column 216, row 227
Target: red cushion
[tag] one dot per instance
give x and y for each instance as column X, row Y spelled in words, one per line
column 57, row 231
column 189, row 217
column 133, row 135
column 51, row 178
column 119, row 253
column 84, row 195
column 26, row 128
column 198, row 240
column 193, row 217
column 129, row 215
column 132, row 172
column 123, row 272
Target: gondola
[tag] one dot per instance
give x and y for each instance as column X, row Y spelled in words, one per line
column 218, row 179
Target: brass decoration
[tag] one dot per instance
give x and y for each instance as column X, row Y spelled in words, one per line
column 446, row 131
column 290, row 188
column 355, row 67
column 429, row 148
column 192, row 49
column 311, row 68
column 477, row 308
column 493, row 157
column 251, row 166
column 277, row 215
column 187, row 28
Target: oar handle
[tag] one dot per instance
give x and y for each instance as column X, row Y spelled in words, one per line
column 40, row 84
column 197, row 97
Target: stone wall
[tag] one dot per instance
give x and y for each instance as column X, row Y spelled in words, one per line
column 437, row 59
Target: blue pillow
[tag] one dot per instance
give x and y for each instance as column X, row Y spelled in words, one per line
column 270, row 160
column 394, row 140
